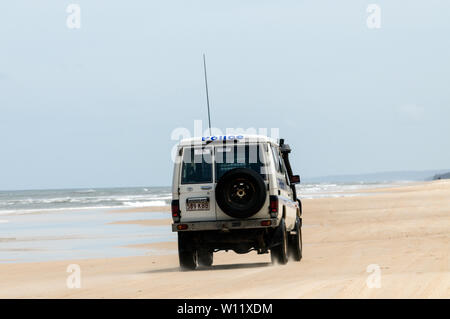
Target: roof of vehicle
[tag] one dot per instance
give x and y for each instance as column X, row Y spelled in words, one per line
column 244, row 138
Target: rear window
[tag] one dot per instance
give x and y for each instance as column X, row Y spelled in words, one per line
column 196, row 166
column 238, row 156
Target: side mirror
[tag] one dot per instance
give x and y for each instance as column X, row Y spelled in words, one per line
column 295, row 179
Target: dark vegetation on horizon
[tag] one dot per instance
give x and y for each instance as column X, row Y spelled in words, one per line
column 441, row 176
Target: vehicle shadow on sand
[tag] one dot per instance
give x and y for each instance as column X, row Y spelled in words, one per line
column 212, row 268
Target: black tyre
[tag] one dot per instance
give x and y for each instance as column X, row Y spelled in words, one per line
column 241, row 192
column 300, row 208
column 205, row 258
column 279, row 253
column 295, row 242
column 187, row 253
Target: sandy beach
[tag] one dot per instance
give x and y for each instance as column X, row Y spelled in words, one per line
column 402, row 231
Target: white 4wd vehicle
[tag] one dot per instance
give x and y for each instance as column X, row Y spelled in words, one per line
column 235, row 193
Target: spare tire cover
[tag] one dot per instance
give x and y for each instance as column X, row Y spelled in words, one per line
column 241, row 192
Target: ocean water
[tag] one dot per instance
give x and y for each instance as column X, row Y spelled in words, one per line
column 29, row 201
column 324, row 190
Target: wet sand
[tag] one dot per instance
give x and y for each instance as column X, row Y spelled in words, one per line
column 402, row 231
column 145, row 222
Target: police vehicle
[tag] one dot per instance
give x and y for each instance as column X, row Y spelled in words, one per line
column 235, row 193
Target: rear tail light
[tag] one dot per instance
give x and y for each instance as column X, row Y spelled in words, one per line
column 273, row 208
column 182, row 227
column 176, row 210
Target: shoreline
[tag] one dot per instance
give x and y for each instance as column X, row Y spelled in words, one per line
column 356, row 189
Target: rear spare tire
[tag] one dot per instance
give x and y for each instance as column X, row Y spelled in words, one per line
column 241, row 192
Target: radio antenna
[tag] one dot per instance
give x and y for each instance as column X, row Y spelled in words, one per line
column 207, row 95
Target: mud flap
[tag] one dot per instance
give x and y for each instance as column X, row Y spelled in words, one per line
column 277, row 237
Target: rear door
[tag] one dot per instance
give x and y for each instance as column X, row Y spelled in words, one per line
column 249, row 155
column 196, row 188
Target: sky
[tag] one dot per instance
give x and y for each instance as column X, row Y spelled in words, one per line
column 96, row 106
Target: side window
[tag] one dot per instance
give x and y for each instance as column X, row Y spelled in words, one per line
column 277, row 160
column 283, row 168
column 279, row 163
column 285, row 173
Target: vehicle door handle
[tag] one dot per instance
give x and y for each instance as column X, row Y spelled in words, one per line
column 206, row 187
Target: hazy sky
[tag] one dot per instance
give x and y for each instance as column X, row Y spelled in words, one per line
column 95, row 106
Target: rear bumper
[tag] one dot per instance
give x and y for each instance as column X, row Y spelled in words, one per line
column 225, row 225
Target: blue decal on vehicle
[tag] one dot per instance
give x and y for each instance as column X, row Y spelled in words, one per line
column 281, row 183
column 222, row 138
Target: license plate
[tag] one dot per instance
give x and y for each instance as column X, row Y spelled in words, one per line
column 194, row 204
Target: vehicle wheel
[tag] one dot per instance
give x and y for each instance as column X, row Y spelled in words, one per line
column 205, row 258
column 241, row 192
column 187, row 253
column 279, row 253
column 300, row 206
column 295, row 242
